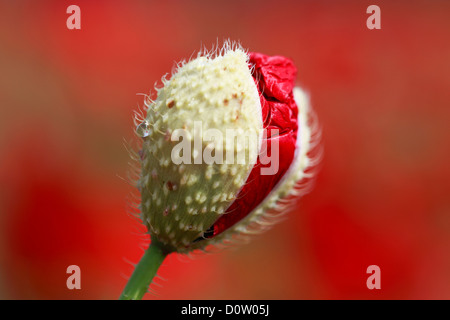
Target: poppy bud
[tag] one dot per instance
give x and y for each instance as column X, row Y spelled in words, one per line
column 225, row 143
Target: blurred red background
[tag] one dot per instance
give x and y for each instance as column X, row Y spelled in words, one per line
column 381, row 197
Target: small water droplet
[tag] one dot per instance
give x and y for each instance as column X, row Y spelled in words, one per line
column 143, row 130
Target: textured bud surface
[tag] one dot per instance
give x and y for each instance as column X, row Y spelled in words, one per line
column 181, row 201
column 188, row 202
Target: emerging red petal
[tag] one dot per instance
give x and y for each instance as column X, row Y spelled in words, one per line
column 275, row 80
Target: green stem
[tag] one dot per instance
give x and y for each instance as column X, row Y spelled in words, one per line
column 144, row 272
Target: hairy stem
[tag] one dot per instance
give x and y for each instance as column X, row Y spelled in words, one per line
column 144, row 272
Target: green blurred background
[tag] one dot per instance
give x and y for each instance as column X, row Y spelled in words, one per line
column 381, row 197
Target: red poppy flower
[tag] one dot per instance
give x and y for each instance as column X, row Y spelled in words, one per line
column 188, row 202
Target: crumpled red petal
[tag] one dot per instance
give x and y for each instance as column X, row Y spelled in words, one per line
column 275, row 80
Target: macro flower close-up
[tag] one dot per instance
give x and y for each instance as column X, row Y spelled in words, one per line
column 246, row 135
column 237, row 150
